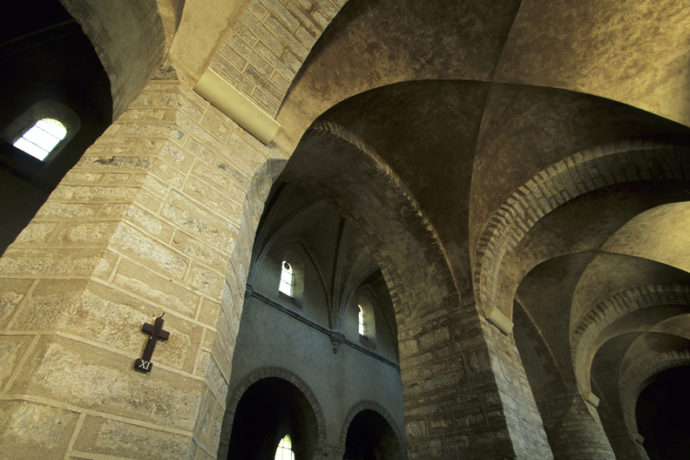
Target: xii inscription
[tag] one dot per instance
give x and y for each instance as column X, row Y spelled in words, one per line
column 155, row 332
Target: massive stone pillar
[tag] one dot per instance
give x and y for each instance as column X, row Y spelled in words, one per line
column 463, row 383
column 522, row 417
column 465, row 392
column 144, row 224
column 625, row 447
column 574, row 427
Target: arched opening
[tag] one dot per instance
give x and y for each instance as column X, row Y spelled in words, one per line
column 287, row 279
column 40, row 140
column 361, row 327
column 50, row 71
column 284, row 450
column 366, row 317
column 662, row 415
column 292, row 272
column 297, row 324
column 268, row 411
column 370, row 437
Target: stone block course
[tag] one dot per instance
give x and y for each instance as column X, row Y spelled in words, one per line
column 571, row 177
column 158, row 290
column 145, row 223
column 22, row 436
column 12, row 349
column 62, row 369
column 271, row 36
column 208, row 427
column 48, row 263
column 108, row 437
column 138, row 247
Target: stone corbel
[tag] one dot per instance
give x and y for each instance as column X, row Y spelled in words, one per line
column 226, row 98
column 638, row 439
column 501, row 321
column 337, row 339
column 591, row 399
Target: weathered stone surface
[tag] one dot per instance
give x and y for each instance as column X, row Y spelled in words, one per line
column 102, row 436
column 31, row 430
column 69, row 263
column 12, row 291
column 209, row 421
column 145, row 250
column 12, row 349
column 159, row 290
column 97, row 312
column 90, row 377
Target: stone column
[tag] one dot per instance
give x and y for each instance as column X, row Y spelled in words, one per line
column 465, row 391
column 520, row 410
column 144, row 224
column 625, row 447
column 574, row 428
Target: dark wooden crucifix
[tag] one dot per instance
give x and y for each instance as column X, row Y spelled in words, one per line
column 155, row 332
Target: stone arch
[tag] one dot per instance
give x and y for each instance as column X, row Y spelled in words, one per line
column 404, row 210
column 113, row 27
column 282, row 37
column 641, row 236
column 236, row 393
column 638, row 375
column 582, row 172
column 218, row 368
column 416, row 269
column 375, row 407
column 587, row 335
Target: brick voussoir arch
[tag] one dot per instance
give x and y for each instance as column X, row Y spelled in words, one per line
column 268, row 45
column 586, row 337
column 238, row 390
column 379, row 409
column 412, row 259
column 636, row 377
column 576, row 175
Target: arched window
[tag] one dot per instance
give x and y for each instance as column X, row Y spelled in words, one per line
column 42, row 138
column 287, row 279
column 360, row 321
column 284, row 450
column 366, row 318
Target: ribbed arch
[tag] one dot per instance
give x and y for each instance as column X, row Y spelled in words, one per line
column 587, row 336
column 580, row 173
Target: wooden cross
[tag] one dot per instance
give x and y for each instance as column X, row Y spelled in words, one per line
column 156, row 332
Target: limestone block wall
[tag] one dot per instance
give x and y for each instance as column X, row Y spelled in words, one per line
column 519, row 407
column 268, row 45
column 145, row 223
column 575, row 430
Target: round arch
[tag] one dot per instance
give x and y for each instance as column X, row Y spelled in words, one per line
column 373, row 414
column 563, row 181
column 280, row 379
column 112, row 27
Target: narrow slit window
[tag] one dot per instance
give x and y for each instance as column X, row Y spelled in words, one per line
column 39, row 140
column 360, row 321
column 287, row 279
column 284, row 450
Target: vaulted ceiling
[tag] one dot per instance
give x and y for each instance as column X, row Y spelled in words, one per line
column 543, row 147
